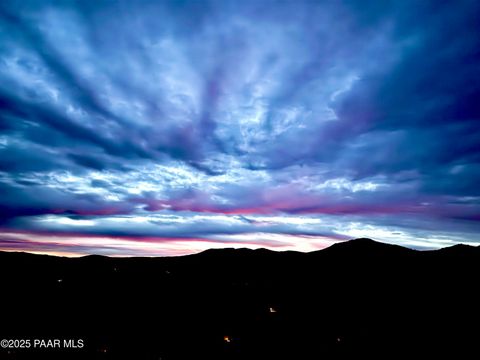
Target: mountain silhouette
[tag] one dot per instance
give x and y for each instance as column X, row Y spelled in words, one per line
column 356, row 299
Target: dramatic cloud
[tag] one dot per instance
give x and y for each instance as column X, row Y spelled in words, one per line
column 162, row 128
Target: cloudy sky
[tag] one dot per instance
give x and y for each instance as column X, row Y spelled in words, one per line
column 153, row 128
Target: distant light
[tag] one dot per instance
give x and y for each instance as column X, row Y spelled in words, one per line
column 227, row 339
column 272, row 310
column 59, row 280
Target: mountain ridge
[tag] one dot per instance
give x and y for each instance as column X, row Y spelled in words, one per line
column 359, row 298
column 362, row 244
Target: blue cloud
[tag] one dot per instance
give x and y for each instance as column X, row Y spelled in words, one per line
column 364, row 113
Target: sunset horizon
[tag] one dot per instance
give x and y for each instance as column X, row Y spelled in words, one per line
column 167, row 128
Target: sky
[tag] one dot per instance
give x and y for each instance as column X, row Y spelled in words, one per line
column 159, row 128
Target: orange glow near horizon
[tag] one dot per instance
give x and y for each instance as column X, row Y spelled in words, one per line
column 77, row 245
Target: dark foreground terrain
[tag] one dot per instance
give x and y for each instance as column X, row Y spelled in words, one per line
column 358, row 300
